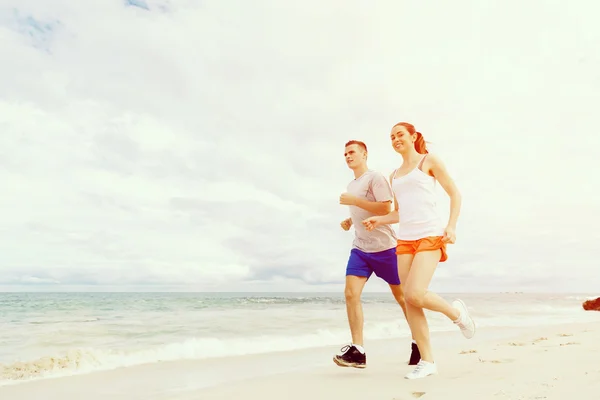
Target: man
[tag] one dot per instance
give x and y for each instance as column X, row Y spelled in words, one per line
column 373, row 251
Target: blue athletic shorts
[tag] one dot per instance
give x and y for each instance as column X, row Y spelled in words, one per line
column 383, row 263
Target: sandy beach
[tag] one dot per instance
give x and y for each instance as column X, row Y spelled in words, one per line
column 547, row 362
column 559, row 362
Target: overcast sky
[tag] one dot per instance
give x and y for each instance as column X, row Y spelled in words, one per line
column 199, row 144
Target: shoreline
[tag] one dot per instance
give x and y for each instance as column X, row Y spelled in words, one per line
column 269, row 375
column 447, row 335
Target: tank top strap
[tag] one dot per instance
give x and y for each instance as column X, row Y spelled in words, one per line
column 393, row 176
column 421, row 162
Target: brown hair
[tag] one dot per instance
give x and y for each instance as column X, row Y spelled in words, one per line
column 358, row 142
column 420, row 144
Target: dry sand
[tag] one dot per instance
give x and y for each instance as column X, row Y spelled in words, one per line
column 552, row 363
column 558, row 362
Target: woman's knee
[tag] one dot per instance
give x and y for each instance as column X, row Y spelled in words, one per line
column 415, row 298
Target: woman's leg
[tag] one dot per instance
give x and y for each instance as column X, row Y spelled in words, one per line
column 407, row 266
column 421, row 271
column 404, row 262
column 417, row 293
column 423, row 266
column 404, row 265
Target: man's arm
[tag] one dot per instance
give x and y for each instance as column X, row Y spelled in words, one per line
column 375, row 207
column 383, row 197
column 383, row 194
column 388, row 218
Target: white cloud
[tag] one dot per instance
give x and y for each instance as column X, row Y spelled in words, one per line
column 200, row 143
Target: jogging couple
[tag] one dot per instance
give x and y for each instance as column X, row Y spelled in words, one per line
column 408, row 258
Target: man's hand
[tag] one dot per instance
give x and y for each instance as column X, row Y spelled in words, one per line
column 347, row 199
column 346, row 224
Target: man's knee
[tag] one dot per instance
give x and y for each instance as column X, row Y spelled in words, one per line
column 352, row 295
column 353, row 290
column 398, row 294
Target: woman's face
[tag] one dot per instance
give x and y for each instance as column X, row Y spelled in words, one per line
column 402, row 140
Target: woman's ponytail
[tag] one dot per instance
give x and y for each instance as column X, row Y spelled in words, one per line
column 420, row 144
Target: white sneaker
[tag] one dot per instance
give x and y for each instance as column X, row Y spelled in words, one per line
column 423, row 369
column 464, row 322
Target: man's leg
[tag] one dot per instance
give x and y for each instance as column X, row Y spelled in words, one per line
column 352, row 292
column 415, row 354
column 357, row 274
column 399, row 296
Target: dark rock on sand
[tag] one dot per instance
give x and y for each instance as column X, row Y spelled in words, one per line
column 592, row 305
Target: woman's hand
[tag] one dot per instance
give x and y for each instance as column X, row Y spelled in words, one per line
column 449, row 235
column 372, row 223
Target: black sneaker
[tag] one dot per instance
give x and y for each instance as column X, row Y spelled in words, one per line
column 351, row 357
column 415, row 355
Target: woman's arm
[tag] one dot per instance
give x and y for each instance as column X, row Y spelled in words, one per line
column 439, row 172
column 390, row 218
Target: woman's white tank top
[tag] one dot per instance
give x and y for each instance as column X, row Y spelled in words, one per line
column 417, row 205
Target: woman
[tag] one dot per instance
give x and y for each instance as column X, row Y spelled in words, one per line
column 422, row 238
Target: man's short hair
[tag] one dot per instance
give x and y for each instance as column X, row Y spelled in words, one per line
column 358, row 142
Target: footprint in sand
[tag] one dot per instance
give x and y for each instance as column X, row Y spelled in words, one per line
column 504, row 361
column 539, row 340
column 565, row 334
column 517, row 344
column 569, row 343
column 468, row 352
column 414, row 394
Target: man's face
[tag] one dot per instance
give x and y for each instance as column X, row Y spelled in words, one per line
column 355, row 156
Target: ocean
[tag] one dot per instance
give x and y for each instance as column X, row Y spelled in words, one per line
column 45, row 335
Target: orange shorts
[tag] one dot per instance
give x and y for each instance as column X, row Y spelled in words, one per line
column 425, row 244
